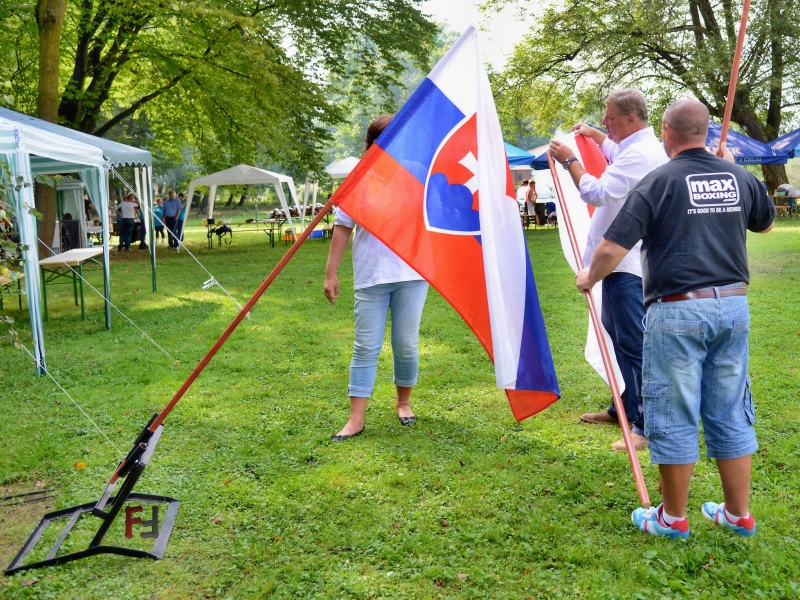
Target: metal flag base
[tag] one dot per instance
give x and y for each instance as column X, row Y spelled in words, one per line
column 143, row 447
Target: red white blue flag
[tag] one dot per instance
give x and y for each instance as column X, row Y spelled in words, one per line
column 437, row 190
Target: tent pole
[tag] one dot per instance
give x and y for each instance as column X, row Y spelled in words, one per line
column 641, row 488
column 152, row 222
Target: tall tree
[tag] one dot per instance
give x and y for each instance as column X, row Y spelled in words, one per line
column 50, row 21
column 578, row 51
column 240, row 80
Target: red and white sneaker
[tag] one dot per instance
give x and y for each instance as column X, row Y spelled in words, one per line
column 716, row 512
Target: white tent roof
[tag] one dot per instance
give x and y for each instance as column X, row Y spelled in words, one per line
column 341, row 168
column 243, row 175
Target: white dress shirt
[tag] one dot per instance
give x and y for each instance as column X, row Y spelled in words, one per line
column 373, row 262
column 629, row 161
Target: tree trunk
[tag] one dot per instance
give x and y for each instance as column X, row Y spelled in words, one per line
column 230, row 201
column 50, row 20
column 242, row 200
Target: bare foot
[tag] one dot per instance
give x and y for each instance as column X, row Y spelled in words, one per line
column 352, row 427
column 404, row 409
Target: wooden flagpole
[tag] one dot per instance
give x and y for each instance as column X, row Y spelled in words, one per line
column 641, row 488
column 228, row 331
column 737, row 59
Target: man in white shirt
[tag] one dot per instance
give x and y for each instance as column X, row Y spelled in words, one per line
column 633, row 151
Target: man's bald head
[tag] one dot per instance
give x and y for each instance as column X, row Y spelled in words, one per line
column 684, row 126
column 688, row 120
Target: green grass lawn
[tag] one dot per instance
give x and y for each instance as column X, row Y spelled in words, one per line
column 467, row 503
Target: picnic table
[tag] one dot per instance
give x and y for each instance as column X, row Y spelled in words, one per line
column 6, row 287
column 59, row 266
column 787, row 209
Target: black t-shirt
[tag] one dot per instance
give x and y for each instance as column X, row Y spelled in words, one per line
column 692, row 215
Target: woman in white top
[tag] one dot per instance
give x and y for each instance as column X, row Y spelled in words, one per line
column 383, row 283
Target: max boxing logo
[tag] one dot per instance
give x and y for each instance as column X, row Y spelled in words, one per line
column 713, row 189
column 451, row 190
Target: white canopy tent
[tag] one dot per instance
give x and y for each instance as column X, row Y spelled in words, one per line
column 245, row 175
column 18, row 144
column 30, row 147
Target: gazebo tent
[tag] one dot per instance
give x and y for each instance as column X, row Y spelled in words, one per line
column 20, row 145
column 745, row 150
column 517, row 157
column 789, row 144
column 341, row 168
column 244, row 175
column 114, row 154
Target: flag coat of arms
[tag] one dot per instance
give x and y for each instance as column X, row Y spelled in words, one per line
column 592, row 159
column 437, row 190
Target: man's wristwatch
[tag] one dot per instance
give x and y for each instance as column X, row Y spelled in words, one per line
column 568, row 162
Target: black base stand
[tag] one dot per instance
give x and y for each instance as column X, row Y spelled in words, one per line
column 96, row 509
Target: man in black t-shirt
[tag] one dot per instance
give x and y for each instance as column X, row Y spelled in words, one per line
column 692, row 215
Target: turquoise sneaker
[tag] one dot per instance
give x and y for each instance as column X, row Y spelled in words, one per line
column 649, row 521
column 716, row 512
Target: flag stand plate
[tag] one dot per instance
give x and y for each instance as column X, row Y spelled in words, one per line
column 95, row 509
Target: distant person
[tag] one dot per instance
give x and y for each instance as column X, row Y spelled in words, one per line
column 172, row 209
column 88, row 207
column 383, row 284
column 530, row 198
column 142, row 225
column 791, row 196
column 67, row 217
column 158, row 214
column 181, row 217
column 128, row 213
column 632, row 150
column 694, row 258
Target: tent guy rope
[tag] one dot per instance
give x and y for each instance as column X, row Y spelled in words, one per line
column 99, row 293
column 78, row 406
column 202, row 266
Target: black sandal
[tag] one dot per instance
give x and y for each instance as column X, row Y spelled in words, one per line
column 341, row 438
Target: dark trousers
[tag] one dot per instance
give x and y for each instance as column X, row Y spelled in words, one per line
column 622, row 316
column 160, row 231
column 171, row 223
column 539, row 209
column 125, row 233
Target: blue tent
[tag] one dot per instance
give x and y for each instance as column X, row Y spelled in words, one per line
column 745, row 150
column 788, row 144
column 517, row 157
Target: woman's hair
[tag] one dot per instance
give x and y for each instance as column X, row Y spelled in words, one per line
column 375, row 129
column 67, row 217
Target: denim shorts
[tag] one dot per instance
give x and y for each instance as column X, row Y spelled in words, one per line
column 695, row 366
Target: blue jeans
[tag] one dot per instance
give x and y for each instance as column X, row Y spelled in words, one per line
column 622, row 316
column 405, row 300
column 695, row 365
column 125, row 233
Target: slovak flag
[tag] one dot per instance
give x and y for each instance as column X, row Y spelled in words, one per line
column 580, row 213
column 437, row 190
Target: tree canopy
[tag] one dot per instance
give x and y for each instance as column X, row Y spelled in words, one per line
column 578, row 52
column 238, row 80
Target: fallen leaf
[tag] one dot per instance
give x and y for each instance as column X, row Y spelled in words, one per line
column 40, row 484
column 443, row 522
column 255, row 328
column 80, row 465
column 609, row 484
column 276, row 538
column 217, row 520
column 504, row 437
column 227, row 481
column 706, row 566
column 547, row 491
column 249, row 471
column 5, row 583
column 461, row 462
column 88, row 374
column 526, row 571
column 438, row 582
column 463, row 575
column 27, row 582
column 136, row 291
